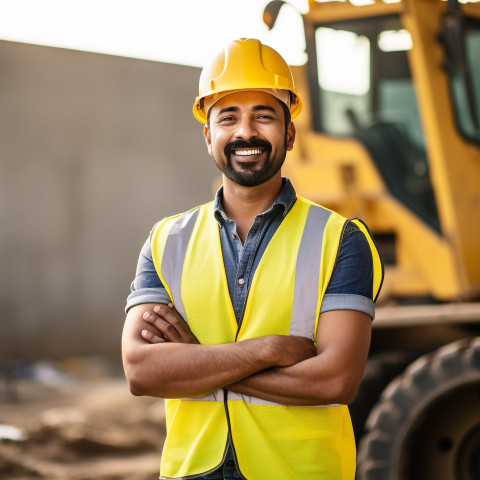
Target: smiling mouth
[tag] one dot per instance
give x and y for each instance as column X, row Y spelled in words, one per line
column 247, row 152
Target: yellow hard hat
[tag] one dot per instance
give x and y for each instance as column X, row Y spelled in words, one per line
column 246, row 64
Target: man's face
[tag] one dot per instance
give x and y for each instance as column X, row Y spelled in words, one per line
column 247, row 137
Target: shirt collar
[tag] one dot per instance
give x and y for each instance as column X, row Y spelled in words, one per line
column 284, row 202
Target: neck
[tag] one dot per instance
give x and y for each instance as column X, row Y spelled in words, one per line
column 243, row 204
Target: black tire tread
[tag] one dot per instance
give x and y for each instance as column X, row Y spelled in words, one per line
column 423, row 380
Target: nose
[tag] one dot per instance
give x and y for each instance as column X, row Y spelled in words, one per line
column 246, row 129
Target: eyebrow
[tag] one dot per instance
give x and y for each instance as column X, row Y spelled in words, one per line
column 228, row 109
column 256, row 108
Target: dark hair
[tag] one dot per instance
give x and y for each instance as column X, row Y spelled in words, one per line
column 286, row 113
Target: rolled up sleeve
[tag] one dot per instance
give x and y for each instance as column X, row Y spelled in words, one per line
column 147, row 286
column 351, row 283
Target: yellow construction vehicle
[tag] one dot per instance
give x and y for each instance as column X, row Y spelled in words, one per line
column 391, row 134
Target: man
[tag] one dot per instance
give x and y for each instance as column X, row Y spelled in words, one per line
column 251, row 315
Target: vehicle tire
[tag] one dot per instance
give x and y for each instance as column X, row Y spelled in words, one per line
column 427, row 424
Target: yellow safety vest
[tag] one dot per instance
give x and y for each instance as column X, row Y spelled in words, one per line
column 271, row 441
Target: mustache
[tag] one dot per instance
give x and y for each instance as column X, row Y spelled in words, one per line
column 252, row 143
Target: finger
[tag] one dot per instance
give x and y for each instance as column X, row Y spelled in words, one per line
column 152, row 321
column 170, row 314
column 165, row 328
column 180, row 325
column 151, row 337
column 182, row 331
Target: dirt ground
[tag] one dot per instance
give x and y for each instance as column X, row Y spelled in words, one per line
column 72, row 421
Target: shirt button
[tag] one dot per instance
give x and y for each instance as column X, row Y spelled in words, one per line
column 234, row 236
column 241, row 281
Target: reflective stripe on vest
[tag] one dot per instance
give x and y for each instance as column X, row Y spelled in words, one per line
column 172, row 261
column 284, row 298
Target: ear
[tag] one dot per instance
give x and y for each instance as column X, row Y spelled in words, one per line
column 291, row 133
column 208, row 139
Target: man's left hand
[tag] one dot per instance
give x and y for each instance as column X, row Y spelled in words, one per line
column 166, row 325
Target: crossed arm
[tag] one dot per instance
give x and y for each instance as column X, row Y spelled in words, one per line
column 162, row 358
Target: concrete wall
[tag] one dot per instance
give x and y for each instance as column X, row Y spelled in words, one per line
column 94, row 149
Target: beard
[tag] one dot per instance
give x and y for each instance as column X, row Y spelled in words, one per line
column 248, row 174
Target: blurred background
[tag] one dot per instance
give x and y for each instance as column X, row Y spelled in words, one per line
column 95, row 148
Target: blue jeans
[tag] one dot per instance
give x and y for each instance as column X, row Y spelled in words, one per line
column 227, row 471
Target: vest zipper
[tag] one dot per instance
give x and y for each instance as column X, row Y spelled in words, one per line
column 230, row 438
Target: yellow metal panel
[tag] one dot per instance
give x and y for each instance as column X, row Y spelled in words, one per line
column 454, row 163
column 325, row 12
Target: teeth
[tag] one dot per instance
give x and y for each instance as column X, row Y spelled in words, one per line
column 254, row 151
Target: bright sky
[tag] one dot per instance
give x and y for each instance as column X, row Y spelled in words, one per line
column 175, row 31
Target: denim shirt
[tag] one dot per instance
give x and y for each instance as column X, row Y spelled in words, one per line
column 350, row 287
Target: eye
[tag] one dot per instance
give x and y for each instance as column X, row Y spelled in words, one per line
column 226, row 119
column 265, row 117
